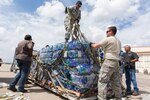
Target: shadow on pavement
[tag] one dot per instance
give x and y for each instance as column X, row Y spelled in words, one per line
column 45, row 90
column 37, row 90
column 6, row 80
column 144, row 92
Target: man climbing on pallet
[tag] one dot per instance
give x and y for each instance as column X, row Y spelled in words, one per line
column 73, row 17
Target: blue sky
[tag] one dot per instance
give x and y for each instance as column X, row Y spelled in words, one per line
column 43, row 19
column 29, row 6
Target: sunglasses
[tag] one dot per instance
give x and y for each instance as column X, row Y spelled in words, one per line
column 79, row 5
column 108, row 31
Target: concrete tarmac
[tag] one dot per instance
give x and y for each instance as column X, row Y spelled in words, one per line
column 38, row 93
column 35, row 92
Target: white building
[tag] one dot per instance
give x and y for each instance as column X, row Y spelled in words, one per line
column 143, row 65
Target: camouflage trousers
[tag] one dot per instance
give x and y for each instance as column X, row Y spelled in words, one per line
column 109, row 73
column 122, row 86
column 68, row 23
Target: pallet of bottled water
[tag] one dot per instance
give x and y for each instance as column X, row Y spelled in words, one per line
column 69, row 69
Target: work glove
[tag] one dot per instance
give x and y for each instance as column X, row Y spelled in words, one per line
column 67, row 36
column 90, row 44
column 77, row 21
column 66, row 11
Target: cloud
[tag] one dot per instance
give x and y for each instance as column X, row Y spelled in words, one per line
column 138, row 32
column 108, row 12
column 108, row 9
column 52, row 10
column 2, row 33
column 5, row 2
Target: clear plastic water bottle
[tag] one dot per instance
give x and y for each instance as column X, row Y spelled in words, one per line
column 75, row 62
column 72, row 54
column 60, row 46
column 85, row 45
column 84, row 69
column 42, row 50
column 83, row 54
column 55, row 54
column 54, row 48
column 84, row 81
column 70, row 46
column 84, row 61
column 77, row 45
column 50, row 54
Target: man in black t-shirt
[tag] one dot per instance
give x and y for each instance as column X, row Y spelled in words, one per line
column 129, row 63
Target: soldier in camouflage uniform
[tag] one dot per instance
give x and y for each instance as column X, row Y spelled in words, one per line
column 73, row 16
column 109, row 72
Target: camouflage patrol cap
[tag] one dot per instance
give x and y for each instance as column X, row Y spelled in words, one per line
column 79, row 2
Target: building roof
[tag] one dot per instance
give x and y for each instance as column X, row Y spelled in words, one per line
column 141, row 49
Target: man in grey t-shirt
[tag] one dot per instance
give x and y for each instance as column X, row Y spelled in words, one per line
column 109, row 71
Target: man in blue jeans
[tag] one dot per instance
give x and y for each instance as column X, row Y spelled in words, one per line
column 24, row 58
column 130, row 72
